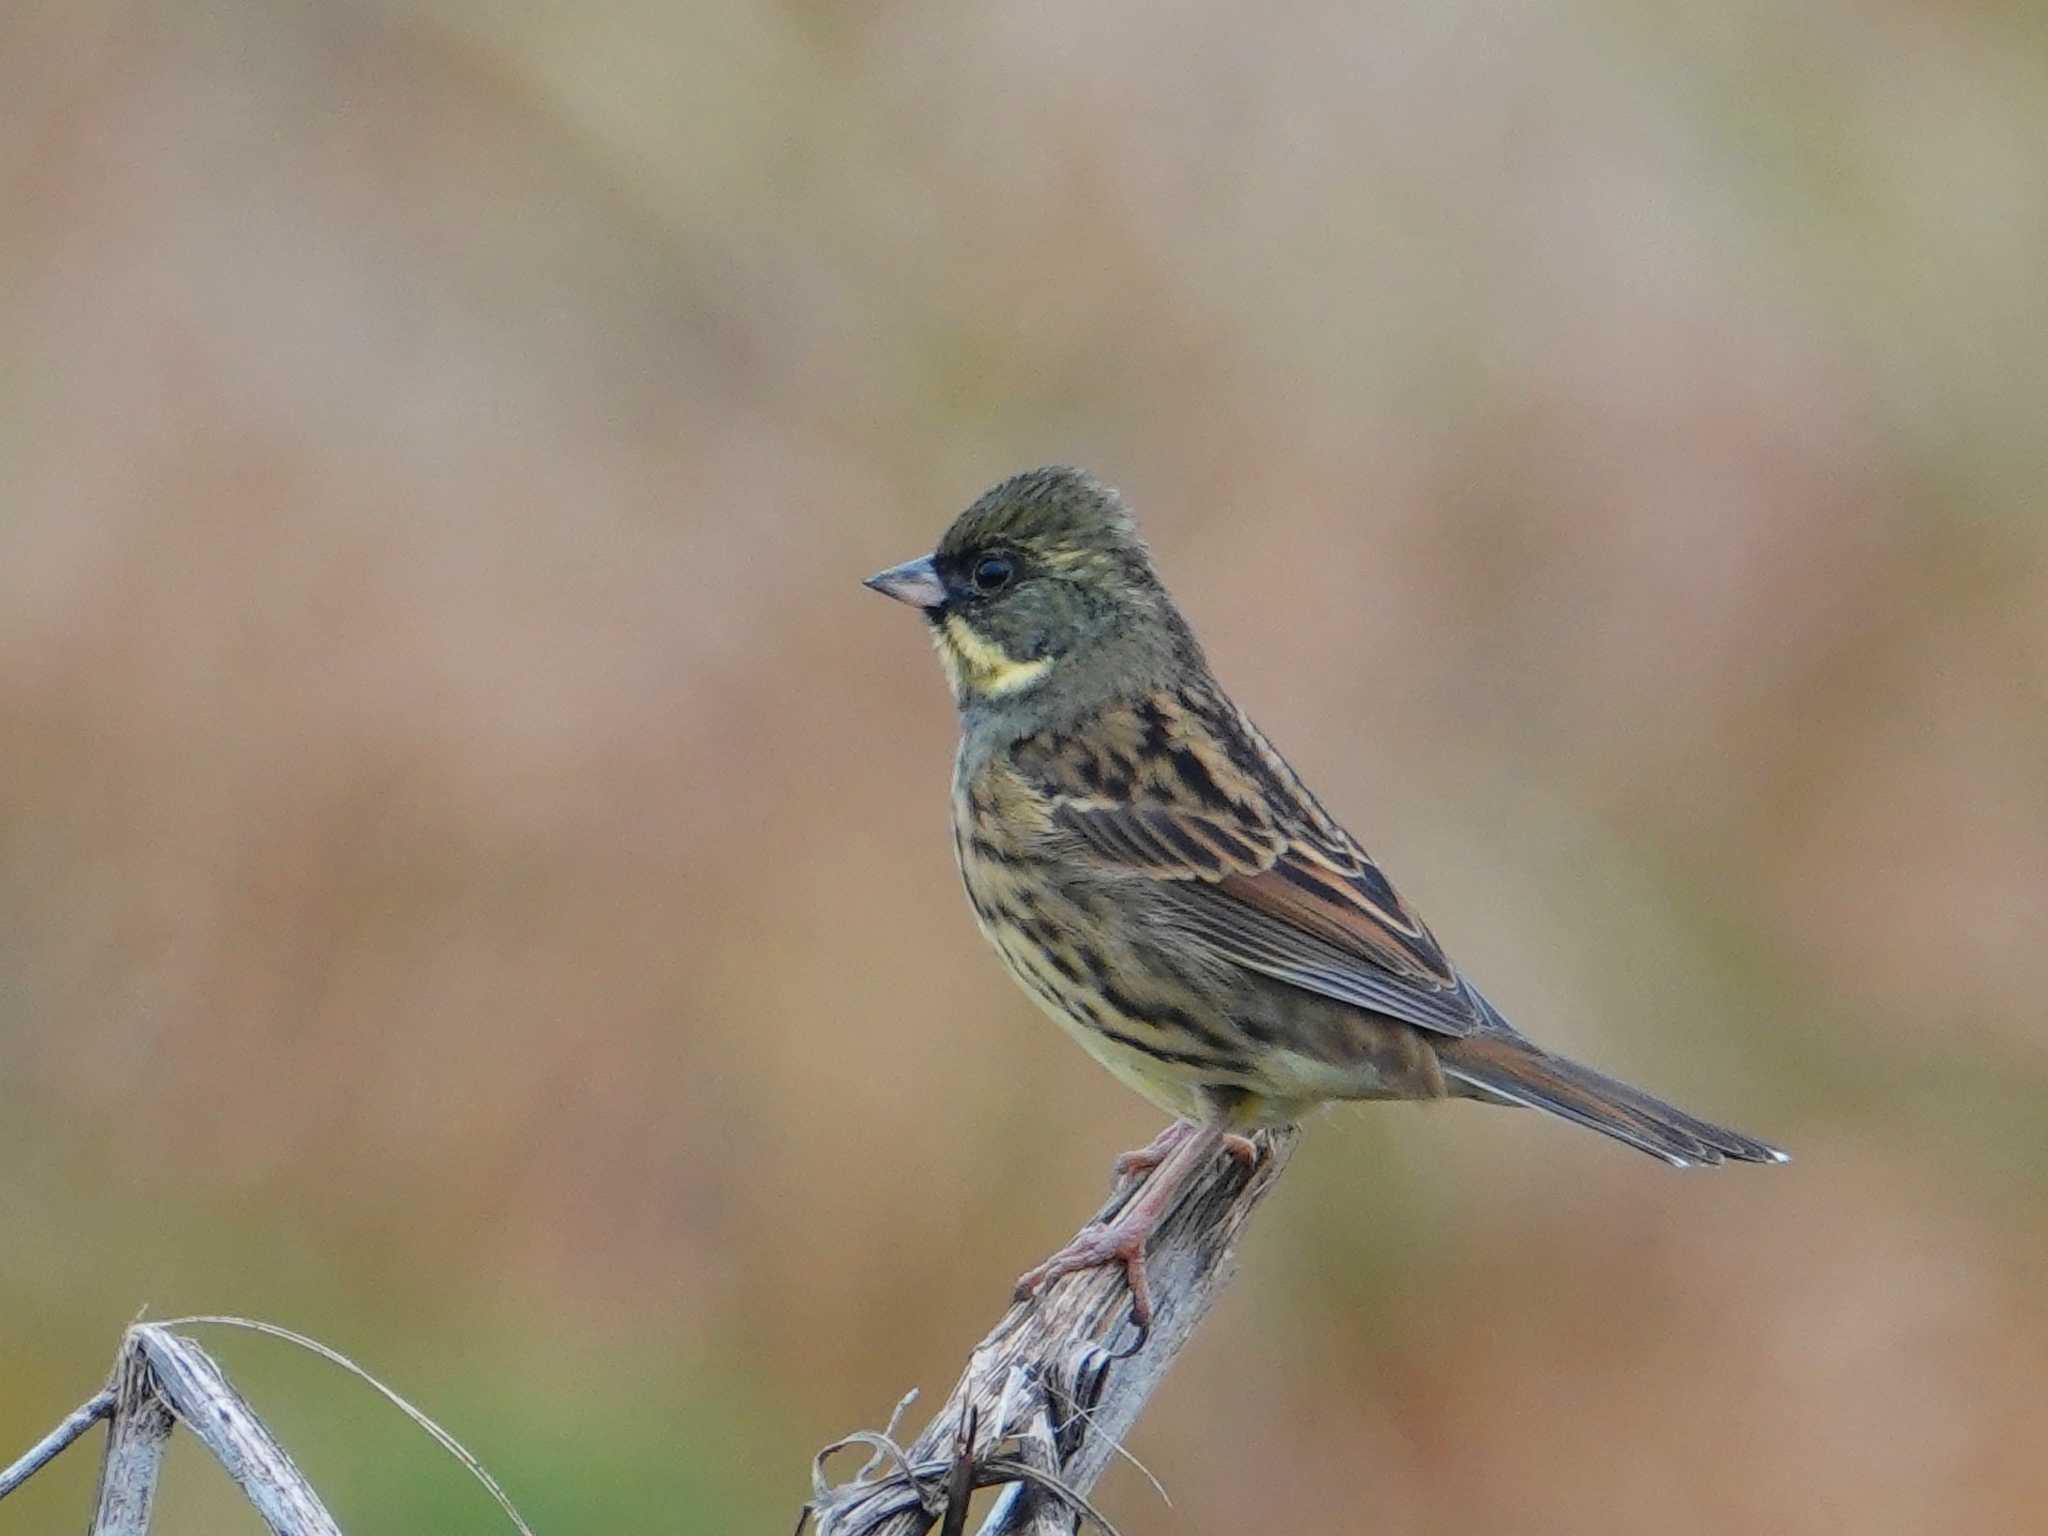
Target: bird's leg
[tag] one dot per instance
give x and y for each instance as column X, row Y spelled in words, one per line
column 1150, row 1156
column 1122, row 1241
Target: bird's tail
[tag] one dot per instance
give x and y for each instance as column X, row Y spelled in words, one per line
column 1507, row 1067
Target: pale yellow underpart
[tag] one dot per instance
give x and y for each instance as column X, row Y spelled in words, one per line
column 1287, row 1086
column 978, row 666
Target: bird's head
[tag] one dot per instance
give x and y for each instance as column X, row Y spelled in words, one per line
column 1042, row 589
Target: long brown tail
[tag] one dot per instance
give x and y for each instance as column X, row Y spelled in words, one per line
column 1506, row 1066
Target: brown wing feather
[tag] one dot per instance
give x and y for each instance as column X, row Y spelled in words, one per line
column 1247, row 859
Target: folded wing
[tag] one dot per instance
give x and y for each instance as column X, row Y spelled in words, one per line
column 1294, row 905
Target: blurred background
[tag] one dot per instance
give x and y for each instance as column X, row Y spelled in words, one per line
column 473, row 872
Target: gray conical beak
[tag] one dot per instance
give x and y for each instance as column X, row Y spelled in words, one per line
column 915, row 582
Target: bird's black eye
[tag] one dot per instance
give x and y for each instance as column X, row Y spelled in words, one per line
column 992, row 573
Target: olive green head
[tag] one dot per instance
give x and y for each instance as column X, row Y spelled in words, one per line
column 1042, row 585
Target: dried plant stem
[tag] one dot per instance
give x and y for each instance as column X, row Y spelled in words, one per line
column 196, row 1391
column 136, row 1439
column 163, row 1379
column 1046, row 1400
column 56, row 1442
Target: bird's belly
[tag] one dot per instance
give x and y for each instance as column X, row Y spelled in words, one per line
column 1184, row 1030
column 1169, row 1086
column 1072, row 963
column 1151, row 1027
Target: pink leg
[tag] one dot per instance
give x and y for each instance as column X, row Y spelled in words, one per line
column 1122, row 1241
column 1145, row 1159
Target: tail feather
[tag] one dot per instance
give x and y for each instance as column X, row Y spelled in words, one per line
column 1507, row 1067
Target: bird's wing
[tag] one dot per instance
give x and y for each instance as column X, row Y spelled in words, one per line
column 1248, row 862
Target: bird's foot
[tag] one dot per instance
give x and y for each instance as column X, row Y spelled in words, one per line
column 1242, row 1149
column 1118, row 1242
column 1176, row 1155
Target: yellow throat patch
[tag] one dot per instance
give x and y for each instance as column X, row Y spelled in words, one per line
column 978, row 667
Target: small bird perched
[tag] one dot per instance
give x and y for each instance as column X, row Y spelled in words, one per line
column 1156, row 876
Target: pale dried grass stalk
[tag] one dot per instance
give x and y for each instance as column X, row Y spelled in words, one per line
column 1048, row 1396
column 162, row 1379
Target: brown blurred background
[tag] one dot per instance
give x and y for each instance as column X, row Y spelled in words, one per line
column 473, row 880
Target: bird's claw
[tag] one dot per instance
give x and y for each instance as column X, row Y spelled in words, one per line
column 1095, row 1246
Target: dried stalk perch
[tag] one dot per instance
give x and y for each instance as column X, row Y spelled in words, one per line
column 163, row 1379
column 1045, row 1401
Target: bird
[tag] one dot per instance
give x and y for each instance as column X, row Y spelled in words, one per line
column 1162, row 883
